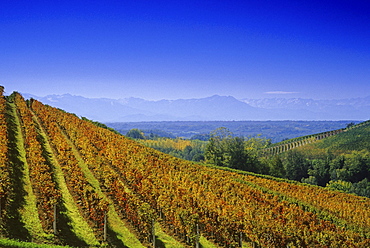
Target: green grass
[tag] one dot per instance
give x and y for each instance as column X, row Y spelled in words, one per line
column 77, row 223
column 165, row 240
column 28, row 211
column 355, row 139
column 204, row 243
column 7, row 243
column 116, row 226
column 121, row 231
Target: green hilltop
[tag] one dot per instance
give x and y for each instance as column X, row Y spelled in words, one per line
column 352, row 138
column 355, row 138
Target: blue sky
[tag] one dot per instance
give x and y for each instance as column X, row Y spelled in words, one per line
column 186, row 49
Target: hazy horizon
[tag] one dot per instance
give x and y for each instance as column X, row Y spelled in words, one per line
column 186, row 49
column 190, row 98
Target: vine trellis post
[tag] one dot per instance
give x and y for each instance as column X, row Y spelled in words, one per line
column 153, row 233
column 197, row 236
column 241, row 239
column 55, row 219
column 1, row 214
column 105, row 226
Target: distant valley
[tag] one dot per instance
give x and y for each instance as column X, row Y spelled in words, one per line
column 214, row 108
column 276, row 131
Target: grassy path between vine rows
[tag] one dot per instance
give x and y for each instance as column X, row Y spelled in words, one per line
column 28, row 212
column 77, row 223
column 116, row 225
column 7, row 243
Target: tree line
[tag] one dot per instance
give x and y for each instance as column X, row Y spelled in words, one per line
column 348, row 172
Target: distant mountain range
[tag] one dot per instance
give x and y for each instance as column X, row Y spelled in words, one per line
column 222, row 108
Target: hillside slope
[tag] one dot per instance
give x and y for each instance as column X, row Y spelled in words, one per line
column 352, row 138
column 94, row 187
column 355, row 139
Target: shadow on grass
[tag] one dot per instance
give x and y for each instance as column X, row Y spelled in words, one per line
column 15, row 228
column 65, row 232
column 159, row 243
column 113, row 240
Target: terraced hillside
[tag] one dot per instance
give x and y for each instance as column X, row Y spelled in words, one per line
column 355, row 130
column 354, row 139
column 66, row 181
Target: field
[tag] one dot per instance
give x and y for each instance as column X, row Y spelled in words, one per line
column 66, row 181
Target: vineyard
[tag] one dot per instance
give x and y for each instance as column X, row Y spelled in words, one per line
column 66, row 181
column 308, row 139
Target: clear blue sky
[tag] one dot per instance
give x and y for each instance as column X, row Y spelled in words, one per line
column 186, row 49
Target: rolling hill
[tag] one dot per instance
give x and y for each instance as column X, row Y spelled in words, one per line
column 344, row 140
column 66, row 181
column 355, row 139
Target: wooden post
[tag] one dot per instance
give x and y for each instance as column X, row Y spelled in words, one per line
column 197, row 237
column 240, row 239
column 1, row 201
column 55, row 219
column 153, row 233
column 105, row 226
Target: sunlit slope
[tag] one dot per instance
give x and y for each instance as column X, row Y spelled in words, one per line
column 100, row 180
column 356, row 138
column 352, row 138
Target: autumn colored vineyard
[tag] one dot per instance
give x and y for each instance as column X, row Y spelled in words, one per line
column 89, row 184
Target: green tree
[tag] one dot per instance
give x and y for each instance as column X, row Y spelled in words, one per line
column 358, row 165
column 310, row 180
column 340, row 186
column 216, row 147
column 296, row 165
column 135, row 134
column 349, row 125
column 235, row 154
column 276, row 167
column 352, row 167
column 257, row 143
column 362, row 188
column 225, row 150
column 320, row 170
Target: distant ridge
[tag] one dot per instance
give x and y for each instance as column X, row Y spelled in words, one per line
column 220, row 108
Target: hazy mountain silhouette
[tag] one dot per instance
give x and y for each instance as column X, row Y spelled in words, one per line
column 223, row 108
